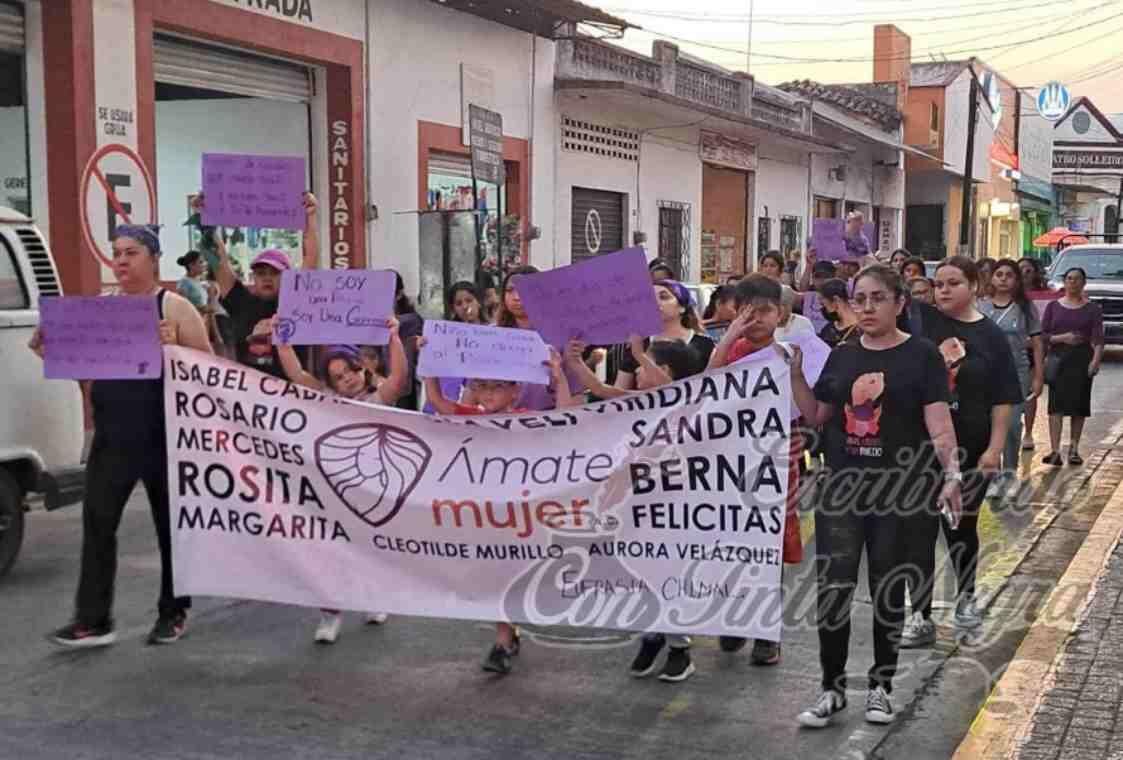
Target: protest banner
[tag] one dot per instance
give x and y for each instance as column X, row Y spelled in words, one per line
column 662, row 510
column 100, row 337
column 828, row 236
column 253, row 191
column 318, row 307
column 601, row 301
column 459, row 349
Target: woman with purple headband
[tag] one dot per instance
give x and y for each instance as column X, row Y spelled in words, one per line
column 129, row 445
column 345, row 375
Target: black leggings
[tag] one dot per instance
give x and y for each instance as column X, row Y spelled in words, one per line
column 963, row 545
column 840, row 537
column 111, row 474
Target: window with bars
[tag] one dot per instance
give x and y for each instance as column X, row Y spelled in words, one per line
column 674, row 236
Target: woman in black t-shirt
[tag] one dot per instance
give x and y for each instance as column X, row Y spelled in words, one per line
column 983, row 388
column 882, row 403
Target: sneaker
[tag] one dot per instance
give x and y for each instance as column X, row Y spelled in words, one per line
column 878, row 707
column 168, row 630
column 498, row 661
column 644, row 663
column 830, row 703
column 732, row 643
column 967, row 615
column 994, row 490
column 918, row 633
column 328, row 629
column 377, row 618
column 766, row 652
column 78, row 636
column 678, row 666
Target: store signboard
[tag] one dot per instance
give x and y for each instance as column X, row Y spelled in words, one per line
column 1109, row 160
column 486, row 137
column 716, row 148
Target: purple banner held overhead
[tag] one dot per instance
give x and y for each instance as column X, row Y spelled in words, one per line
column 320, row 307
column 253, row 191
column 829, row 238
column 601, row 301
column 459, row 349
column 100, row 337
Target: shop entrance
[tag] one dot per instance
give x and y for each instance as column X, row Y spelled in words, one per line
column 725, row 207
column 212, row 99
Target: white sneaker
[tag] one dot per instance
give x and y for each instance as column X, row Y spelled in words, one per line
column 328, row 629
column 829, row 704
column 377, row 618
column 918, row 633
column 967, row 615
column 878, row 707
column 994, row 490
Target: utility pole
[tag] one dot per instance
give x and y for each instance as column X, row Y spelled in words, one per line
column 972, row 120
column 1118, row 213
column 749, row 49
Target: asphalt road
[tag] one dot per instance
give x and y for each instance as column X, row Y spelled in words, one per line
column 248, row 682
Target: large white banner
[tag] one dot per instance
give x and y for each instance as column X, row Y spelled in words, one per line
column 663, row 510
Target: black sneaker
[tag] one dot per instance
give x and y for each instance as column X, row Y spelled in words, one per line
column 678, row 666
column 498, row 661
column 830, row 703
column 168, row 630
column 78, row 636
column 732, row 643
column 650, row 647
column 766, row 652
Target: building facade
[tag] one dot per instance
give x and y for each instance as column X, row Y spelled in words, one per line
column 1088, row 169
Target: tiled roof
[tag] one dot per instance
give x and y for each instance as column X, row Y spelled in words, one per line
column 850, row 98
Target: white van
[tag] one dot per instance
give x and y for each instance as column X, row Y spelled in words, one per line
column 41, row 422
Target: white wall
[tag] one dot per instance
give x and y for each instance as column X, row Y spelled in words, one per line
column 416, row 49
column 1035, row 145
column 185, row 129
column 957, row 101
column 781, row 187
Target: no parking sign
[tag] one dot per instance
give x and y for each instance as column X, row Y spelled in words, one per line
column 116, row 189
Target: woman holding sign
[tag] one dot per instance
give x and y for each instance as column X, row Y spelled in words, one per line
column 129, row 445
column 878, row 400
column 533, row 397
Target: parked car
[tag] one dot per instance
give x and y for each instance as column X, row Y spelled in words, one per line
column 1103, row 263
column 41, row 421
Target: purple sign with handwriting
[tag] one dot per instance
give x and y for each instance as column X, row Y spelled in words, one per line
column 602, row 301
column 253, row 191
column 100, row 337
column 458, row 349
column 829, row 238
column 319, row 307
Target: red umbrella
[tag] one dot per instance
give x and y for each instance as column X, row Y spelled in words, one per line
column 1055, row 235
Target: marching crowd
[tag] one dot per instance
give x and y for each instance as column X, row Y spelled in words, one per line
column 933, row 373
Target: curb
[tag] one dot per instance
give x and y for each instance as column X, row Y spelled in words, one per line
column 996, row 731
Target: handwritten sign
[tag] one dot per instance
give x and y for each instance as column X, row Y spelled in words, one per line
column 253, row 191
column 829, row 238
column 602, row 301
column 322, row 307
column 458, row 349
column 100, row 337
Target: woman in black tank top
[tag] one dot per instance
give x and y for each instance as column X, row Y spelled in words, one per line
column 129, row 446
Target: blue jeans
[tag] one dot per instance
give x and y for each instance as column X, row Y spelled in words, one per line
column 1012, row 451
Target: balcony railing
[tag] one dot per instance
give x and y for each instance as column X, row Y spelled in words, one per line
column 598, row 59
column 705, row 86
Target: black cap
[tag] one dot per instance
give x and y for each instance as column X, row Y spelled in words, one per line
column 823, row 269
column 834, row 289
column 659, row 264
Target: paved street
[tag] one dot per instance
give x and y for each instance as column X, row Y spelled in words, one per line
column 248, row 682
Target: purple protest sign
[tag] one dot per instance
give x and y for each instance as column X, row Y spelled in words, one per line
column 319, row 307
column 602, row 301
column 828, row 236
column 253, row 191
column 100, row 337
column 459, row 349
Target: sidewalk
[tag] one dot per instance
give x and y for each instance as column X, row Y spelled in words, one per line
column 1060, row 697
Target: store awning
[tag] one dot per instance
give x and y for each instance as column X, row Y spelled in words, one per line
column 855, row 127
column 546, row 18
column 672, row 109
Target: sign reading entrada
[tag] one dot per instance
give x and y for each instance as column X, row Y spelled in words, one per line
column 292, row 9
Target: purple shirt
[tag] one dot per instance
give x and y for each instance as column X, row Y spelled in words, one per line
column 1087, row 321
column 812, row 309
column 857, row 246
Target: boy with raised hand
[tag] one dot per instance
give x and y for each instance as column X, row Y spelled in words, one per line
column 758, row 307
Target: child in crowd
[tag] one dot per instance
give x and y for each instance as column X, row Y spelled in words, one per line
column 346, row 374
column 496, row 397
column 758, row 304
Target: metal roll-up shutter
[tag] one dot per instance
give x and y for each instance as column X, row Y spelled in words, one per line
column 191, row 64
column 11, row 28
column 598, row 223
